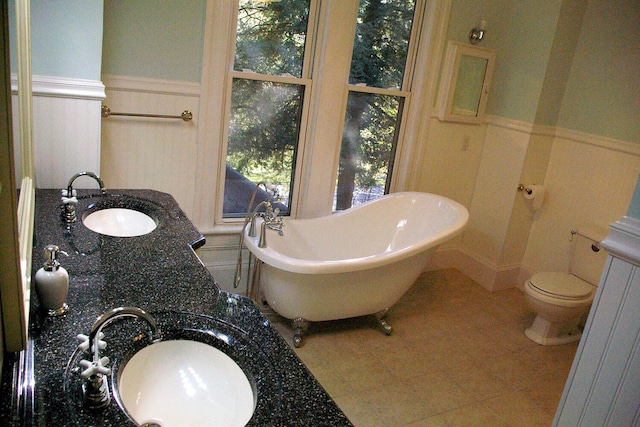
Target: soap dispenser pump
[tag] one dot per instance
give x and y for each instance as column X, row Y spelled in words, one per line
column 52, row 283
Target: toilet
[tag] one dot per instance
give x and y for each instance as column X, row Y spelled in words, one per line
column 561, row 300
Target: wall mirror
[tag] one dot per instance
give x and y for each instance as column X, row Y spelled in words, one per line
column 464, row 84
column 15, row 280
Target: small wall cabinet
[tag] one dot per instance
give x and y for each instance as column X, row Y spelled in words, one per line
column 465, row 82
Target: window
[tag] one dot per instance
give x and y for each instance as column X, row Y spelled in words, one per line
column 377, row 91
column 271, row 90
column 267, row 99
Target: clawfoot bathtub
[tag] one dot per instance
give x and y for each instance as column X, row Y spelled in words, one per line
column 354, row 263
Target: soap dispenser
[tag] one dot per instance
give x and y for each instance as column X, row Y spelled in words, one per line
column 52, row 283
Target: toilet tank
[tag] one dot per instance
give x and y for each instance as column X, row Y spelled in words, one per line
column 589, row 257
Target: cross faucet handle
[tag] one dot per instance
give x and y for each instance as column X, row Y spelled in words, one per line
column 95, row 367
column 84, row 342
column 69, row 200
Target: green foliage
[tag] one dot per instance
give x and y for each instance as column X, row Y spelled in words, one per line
column 372, row 121
column 265, row 116
column 263, row 129
column 381, row 42
column 271, row 37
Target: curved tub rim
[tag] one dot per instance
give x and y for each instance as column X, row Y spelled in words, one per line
column 296, row 265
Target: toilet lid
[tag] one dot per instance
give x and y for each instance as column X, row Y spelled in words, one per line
column 561, row 285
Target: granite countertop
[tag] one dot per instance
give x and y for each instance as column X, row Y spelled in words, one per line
column 159, row 273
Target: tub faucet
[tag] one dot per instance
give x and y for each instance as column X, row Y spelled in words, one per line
column 253, row 215
column 68, row 196
column 272, row 222
column 250, row 220
column 95, row 389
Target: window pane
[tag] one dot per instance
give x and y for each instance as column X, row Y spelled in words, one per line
column 368, row 145
column 381, row 43
column 271, row 36
column 263, row 137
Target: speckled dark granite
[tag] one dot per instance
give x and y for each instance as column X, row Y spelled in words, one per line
column 159, row 273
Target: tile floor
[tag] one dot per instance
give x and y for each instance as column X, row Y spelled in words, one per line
column 457, row 357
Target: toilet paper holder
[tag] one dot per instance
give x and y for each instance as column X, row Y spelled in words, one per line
column 525, row 189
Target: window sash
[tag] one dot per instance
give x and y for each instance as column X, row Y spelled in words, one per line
column 305, row 81
column 318, row 194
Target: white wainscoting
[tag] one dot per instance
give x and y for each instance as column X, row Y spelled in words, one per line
column 589, row 180
column 220, row 256
column 604, row 383
column 158, row 154
column 66, row 128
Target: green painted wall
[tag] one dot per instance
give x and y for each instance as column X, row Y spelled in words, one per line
column 569, row 63
column 154, row 38
column 634, row 207
column 565, row 39
column 66, row 38
column 602, row 96
column 521, row 33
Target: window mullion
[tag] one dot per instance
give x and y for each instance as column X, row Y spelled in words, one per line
column 377, row 90
column 269, row 78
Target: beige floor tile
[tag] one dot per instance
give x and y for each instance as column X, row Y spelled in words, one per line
column 480, row 382
column 359, row 413
column 458, row 356
column 518, row 410
column 468, row 416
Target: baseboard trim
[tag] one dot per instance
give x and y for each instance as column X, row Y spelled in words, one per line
column 488, row 276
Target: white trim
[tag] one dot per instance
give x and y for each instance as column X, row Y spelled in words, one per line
column 148, row 85
column 507, row 123
column 487, row 275
column 624, row 240
column 430, row 41
column 63, row 87
column 599, row 141
column 556, row 132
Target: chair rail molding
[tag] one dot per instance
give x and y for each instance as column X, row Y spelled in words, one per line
column 63, row 87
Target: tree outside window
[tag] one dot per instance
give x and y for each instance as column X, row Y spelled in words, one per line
column 271, row 78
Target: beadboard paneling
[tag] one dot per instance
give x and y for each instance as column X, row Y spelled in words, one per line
column 159, row 154
column 66, row 128
column 604, row 382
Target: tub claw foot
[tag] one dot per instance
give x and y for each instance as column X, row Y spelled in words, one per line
column 380, row 317
column 300, row 326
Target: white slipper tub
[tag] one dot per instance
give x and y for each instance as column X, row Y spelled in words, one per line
column 356, row 262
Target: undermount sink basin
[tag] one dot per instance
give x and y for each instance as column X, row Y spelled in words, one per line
column 120, row 222
column 185, row 383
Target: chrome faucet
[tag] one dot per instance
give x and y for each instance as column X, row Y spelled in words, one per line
column 272, row 221
column 270, row 216
column 68, row 196
column 103, row 191
column 253, row 215
column 95, row 389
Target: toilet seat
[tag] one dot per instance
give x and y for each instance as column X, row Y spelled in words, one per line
column 561, row 286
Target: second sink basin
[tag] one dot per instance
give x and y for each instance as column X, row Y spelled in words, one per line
column 120, row 222
column 184, row 382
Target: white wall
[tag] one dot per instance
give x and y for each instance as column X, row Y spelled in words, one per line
column 479, row 166
column 66, row 129
column 589, row 181
column 159, row 154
